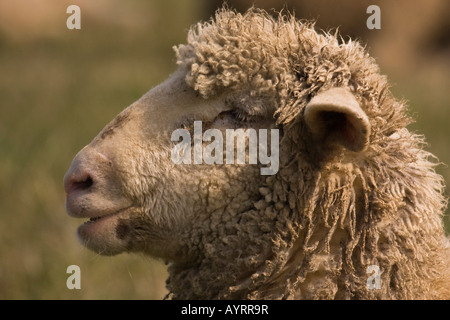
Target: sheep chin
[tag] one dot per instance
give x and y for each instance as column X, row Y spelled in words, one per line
column 100, row 234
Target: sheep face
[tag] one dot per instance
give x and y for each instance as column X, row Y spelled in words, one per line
column 137, row 199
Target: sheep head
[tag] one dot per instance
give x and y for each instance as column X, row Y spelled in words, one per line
column 238, row 230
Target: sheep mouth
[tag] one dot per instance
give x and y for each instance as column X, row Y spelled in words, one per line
column 106, row 216
column 93, row 219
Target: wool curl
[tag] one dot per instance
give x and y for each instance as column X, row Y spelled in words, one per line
column 323, row 219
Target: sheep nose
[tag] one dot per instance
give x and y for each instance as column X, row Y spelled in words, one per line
column 86, row 171
column 78, row 180
column 90, row 184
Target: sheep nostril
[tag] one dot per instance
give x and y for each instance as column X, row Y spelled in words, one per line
column 80, row 182
column 83, row 185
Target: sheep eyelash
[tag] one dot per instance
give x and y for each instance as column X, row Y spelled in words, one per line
column 188, row 122
column 238, row 115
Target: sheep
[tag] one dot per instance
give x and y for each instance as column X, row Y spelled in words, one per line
column 355, row 190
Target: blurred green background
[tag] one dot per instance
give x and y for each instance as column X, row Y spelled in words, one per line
column 59, row 87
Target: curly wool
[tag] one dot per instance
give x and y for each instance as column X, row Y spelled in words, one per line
column 326, row 216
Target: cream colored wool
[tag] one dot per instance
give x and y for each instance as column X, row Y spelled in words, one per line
column 353, row 189
column 328, row 216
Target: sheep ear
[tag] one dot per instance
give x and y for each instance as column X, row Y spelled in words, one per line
column 335, row 118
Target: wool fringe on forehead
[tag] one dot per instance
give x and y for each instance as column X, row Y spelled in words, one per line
column 285, row 62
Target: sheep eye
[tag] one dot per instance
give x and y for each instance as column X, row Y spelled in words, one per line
column 236, row 118
column 236, row 115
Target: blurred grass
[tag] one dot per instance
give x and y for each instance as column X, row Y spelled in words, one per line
column 59, row 87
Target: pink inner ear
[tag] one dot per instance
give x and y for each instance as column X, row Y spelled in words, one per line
column 341, row 128
column 335, row 117
column 350, row 135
